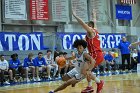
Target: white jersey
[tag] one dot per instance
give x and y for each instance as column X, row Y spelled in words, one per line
column 4, row 65
column 80, row 61
column 48, row 60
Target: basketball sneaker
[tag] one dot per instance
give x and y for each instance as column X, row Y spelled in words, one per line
column 100, row 86
column 88, row 90
column 51, row 92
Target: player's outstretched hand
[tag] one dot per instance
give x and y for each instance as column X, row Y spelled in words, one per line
column 130, row 46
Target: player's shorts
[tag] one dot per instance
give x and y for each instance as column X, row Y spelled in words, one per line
column 53, row 67
column 98, row 56
column 74, row 73
column 42, row 68
column 28, row 68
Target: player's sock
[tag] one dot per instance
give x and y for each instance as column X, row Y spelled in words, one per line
column 89, row 84
column 97, row 80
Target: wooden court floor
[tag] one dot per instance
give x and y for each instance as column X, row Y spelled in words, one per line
column 127, row 83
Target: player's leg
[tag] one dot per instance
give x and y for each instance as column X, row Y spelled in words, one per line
column 70, row 79
column 49, row 67
column 37, row 73
column 90, row 76
column 59, row 72
column 65, row 84
column 85, row 71
column 66, row 68
column 70, row 74
column 11, row 75
column 33, row 72
column 26, row 74
column 55, row 67
column 100, row 83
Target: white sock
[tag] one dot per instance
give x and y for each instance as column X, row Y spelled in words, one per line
column 97, row 80
column 90, row 83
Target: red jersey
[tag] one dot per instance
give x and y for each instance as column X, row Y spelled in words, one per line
column 93, row 46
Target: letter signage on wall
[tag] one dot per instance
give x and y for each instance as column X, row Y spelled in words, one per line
column 107, row 40
column 16, row 41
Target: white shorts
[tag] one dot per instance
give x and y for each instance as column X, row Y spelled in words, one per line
column 74, row 73
column 53, row 67
column 28, row 68
column 42, row 68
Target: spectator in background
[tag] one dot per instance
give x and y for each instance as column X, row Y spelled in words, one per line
column 29, row 65
column 14, row 65
column 125, row 53
column 134, row 59
column 134, row 44
column 102, row 67
column 61, row 54
column 109, row 61
column 116, row 59
column 51, row 64
column 4, row 69
column 41, row 64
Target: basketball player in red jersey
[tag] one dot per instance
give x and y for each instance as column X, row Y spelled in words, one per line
column 92, row 38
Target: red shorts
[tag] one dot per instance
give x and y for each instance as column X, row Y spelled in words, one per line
column 98, row 56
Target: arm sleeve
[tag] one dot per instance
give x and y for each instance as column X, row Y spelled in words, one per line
column 7, row 64
column 10, row 64
column 35, row 62
column 44, row 62
column 25, row 63
column 19, row 62
column 105, row 57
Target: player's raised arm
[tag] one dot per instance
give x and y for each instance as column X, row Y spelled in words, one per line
column 135, row 43
column 83, row 24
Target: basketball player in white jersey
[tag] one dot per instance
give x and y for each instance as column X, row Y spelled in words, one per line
column 84, row 61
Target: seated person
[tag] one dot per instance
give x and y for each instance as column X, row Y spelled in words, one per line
column 4, row 69
column 40, row 64
column 29, row 65
column 51, row 64
column 134, row 59
column 15, row 66
column 102, row 67
column 62, row 54
column 109, row 61
column 116, row 59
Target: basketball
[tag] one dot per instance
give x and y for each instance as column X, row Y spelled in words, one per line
column 61, row 61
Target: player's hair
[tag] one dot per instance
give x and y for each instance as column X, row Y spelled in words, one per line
column 61, row 53
column 65, row 53
column 40, row 53
column 91, row 23
column 1, row 55
column 14, row 55
column 49, row 51
column 30, row 55
column 80, row 42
